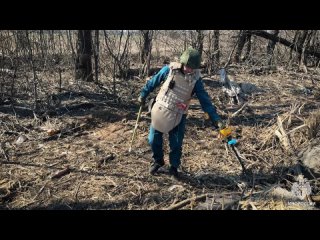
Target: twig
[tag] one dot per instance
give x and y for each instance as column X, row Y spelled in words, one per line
column 239, row 110
column 54, row 164
column 61, row 173
column 4, row 152
column 105, row 159
column 230, row 55
column 77, row 190
column 295, row 129
column 253, row 206
column 40, row 191
column 185, row 202
column 241, row 197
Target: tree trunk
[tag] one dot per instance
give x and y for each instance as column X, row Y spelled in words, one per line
column 213, row 54
column 248, row 51
column 200, row 38
column 304, row 43
column 84, row 53
column 242, row 41
column 197, row 37
column 296, row 35
column 147, row 40
column 53, row 45
column 96, row 56
column 271, row 45
column 42, row 44
column 216, row 47
column 185, row 40
column 145, row 56
column 35, row 78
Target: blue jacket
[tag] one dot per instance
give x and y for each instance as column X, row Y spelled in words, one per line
column 199, row 90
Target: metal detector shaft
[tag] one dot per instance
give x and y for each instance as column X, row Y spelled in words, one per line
column 238, row 157
column 135, row 127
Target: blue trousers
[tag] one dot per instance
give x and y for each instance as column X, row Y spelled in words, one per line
column 176, row 135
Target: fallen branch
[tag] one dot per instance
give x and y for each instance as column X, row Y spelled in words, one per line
column 185, row 202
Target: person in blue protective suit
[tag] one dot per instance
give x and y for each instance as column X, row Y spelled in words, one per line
column 168, row 114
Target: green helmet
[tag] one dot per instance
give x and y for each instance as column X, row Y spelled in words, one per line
column 191, row 58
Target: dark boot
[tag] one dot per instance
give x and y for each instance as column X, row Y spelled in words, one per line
column 174, row 172
column 155, row 167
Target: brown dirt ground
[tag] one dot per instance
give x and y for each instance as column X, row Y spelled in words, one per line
column 91, row 144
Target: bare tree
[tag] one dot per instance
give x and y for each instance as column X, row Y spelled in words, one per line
column 84, row 54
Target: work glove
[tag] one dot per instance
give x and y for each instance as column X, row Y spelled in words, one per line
column 141, row 100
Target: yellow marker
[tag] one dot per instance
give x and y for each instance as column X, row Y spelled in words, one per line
column 226, row 132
